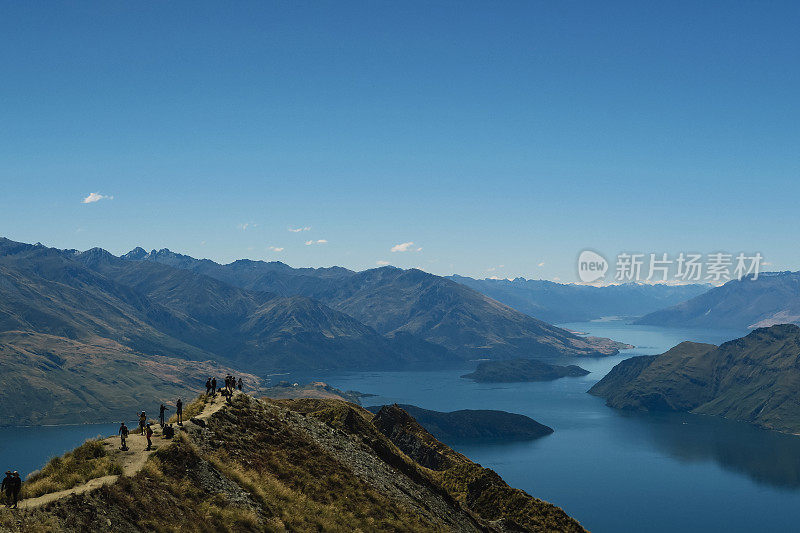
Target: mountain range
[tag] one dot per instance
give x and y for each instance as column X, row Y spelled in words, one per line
column 408, row 305
column 263, row 316
column 771, row 298
column 559, row 302
column 755, row 379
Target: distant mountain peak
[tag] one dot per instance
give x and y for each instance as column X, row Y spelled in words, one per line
column 137, row 254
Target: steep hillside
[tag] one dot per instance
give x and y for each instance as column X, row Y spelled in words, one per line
column 393, row 301
column 157, row 309
column 755, row 379
column 773, row 298
column 299, row 465
column 47, row 379
column 558, row 302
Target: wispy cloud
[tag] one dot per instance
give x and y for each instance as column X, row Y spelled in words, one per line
column 246, row 225
column 382, row 263
column 318, row 241
column 96, row 197
column 405, row 247
column 298, row 230
column 275, row 248
column 541, row 264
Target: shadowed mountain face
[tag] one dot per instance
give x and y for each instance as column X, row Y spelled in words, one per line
column 473, row 424
column 518, row 370
column 773, row 298
column 558, row 302
column 410, row 302
column 755, row 379
column 156, row 309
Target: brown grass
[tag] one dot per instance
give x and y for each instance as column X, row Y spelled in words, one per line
column 88, row 461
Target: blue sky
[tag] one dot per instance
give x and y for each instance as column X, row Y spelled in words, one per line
column 487, row 134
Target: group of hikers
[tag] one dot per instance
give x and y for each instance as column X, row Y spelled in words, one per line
column 12, row 483
column 11, row 487
column 146, row 428
column 231, row 384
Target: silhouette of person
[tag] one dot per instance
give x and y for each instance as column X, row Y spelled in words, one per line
column 123, row 435
column 142, row 422
column 213, row 386
column 16, row 487
column 161, row 411
column 179, row 411
column 6, row 486
column 149, row 433
column 240, row 384
column 208, row 386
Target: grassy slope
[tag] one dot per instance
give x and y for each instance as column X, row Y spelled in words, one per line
column 48, row 379
column 297, row 465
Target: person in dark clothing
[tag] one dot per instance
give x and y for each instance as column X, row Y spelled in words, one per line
column 161, row 412
column 6, row 487
column 169, row 432
column 208, row 386
column 213, row 386
column 123, row 436
column 240, row 384
column 179, row 411
column 16, row 487
column 142, row 422
column 148, row 433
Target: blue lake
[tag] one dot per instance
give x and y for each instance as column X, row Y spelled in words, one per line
column 28, row 448
column 616, row 471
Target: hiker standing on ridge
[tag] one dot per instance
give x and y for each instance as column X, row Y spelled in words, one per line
column 161, row 412
column 213, row 386
column 16, row 487
column 208, row 386
column 142, row 422
column 6, row 487
column 179, row 411
column 148, row 434
column 123, row 436
column 240, row 384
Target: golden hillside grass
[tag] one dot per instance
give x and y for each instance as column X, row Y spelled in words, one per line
column 88, row 461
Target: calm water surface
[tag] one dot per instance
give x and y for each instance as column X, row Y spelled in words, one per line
column 28, row 448
column 616, row 471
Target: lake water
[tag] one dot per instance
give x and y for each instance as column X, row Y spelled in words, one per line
column 616, row 471
column 28, row 448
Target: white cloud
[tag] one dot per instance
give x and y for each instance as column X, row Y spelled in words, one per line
column 382, row 263
column 405, row 247
column 276, row 248
column 298, row 230
column 246, row 225
column 96, row 197
column 318, row 241
column 541, row 264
